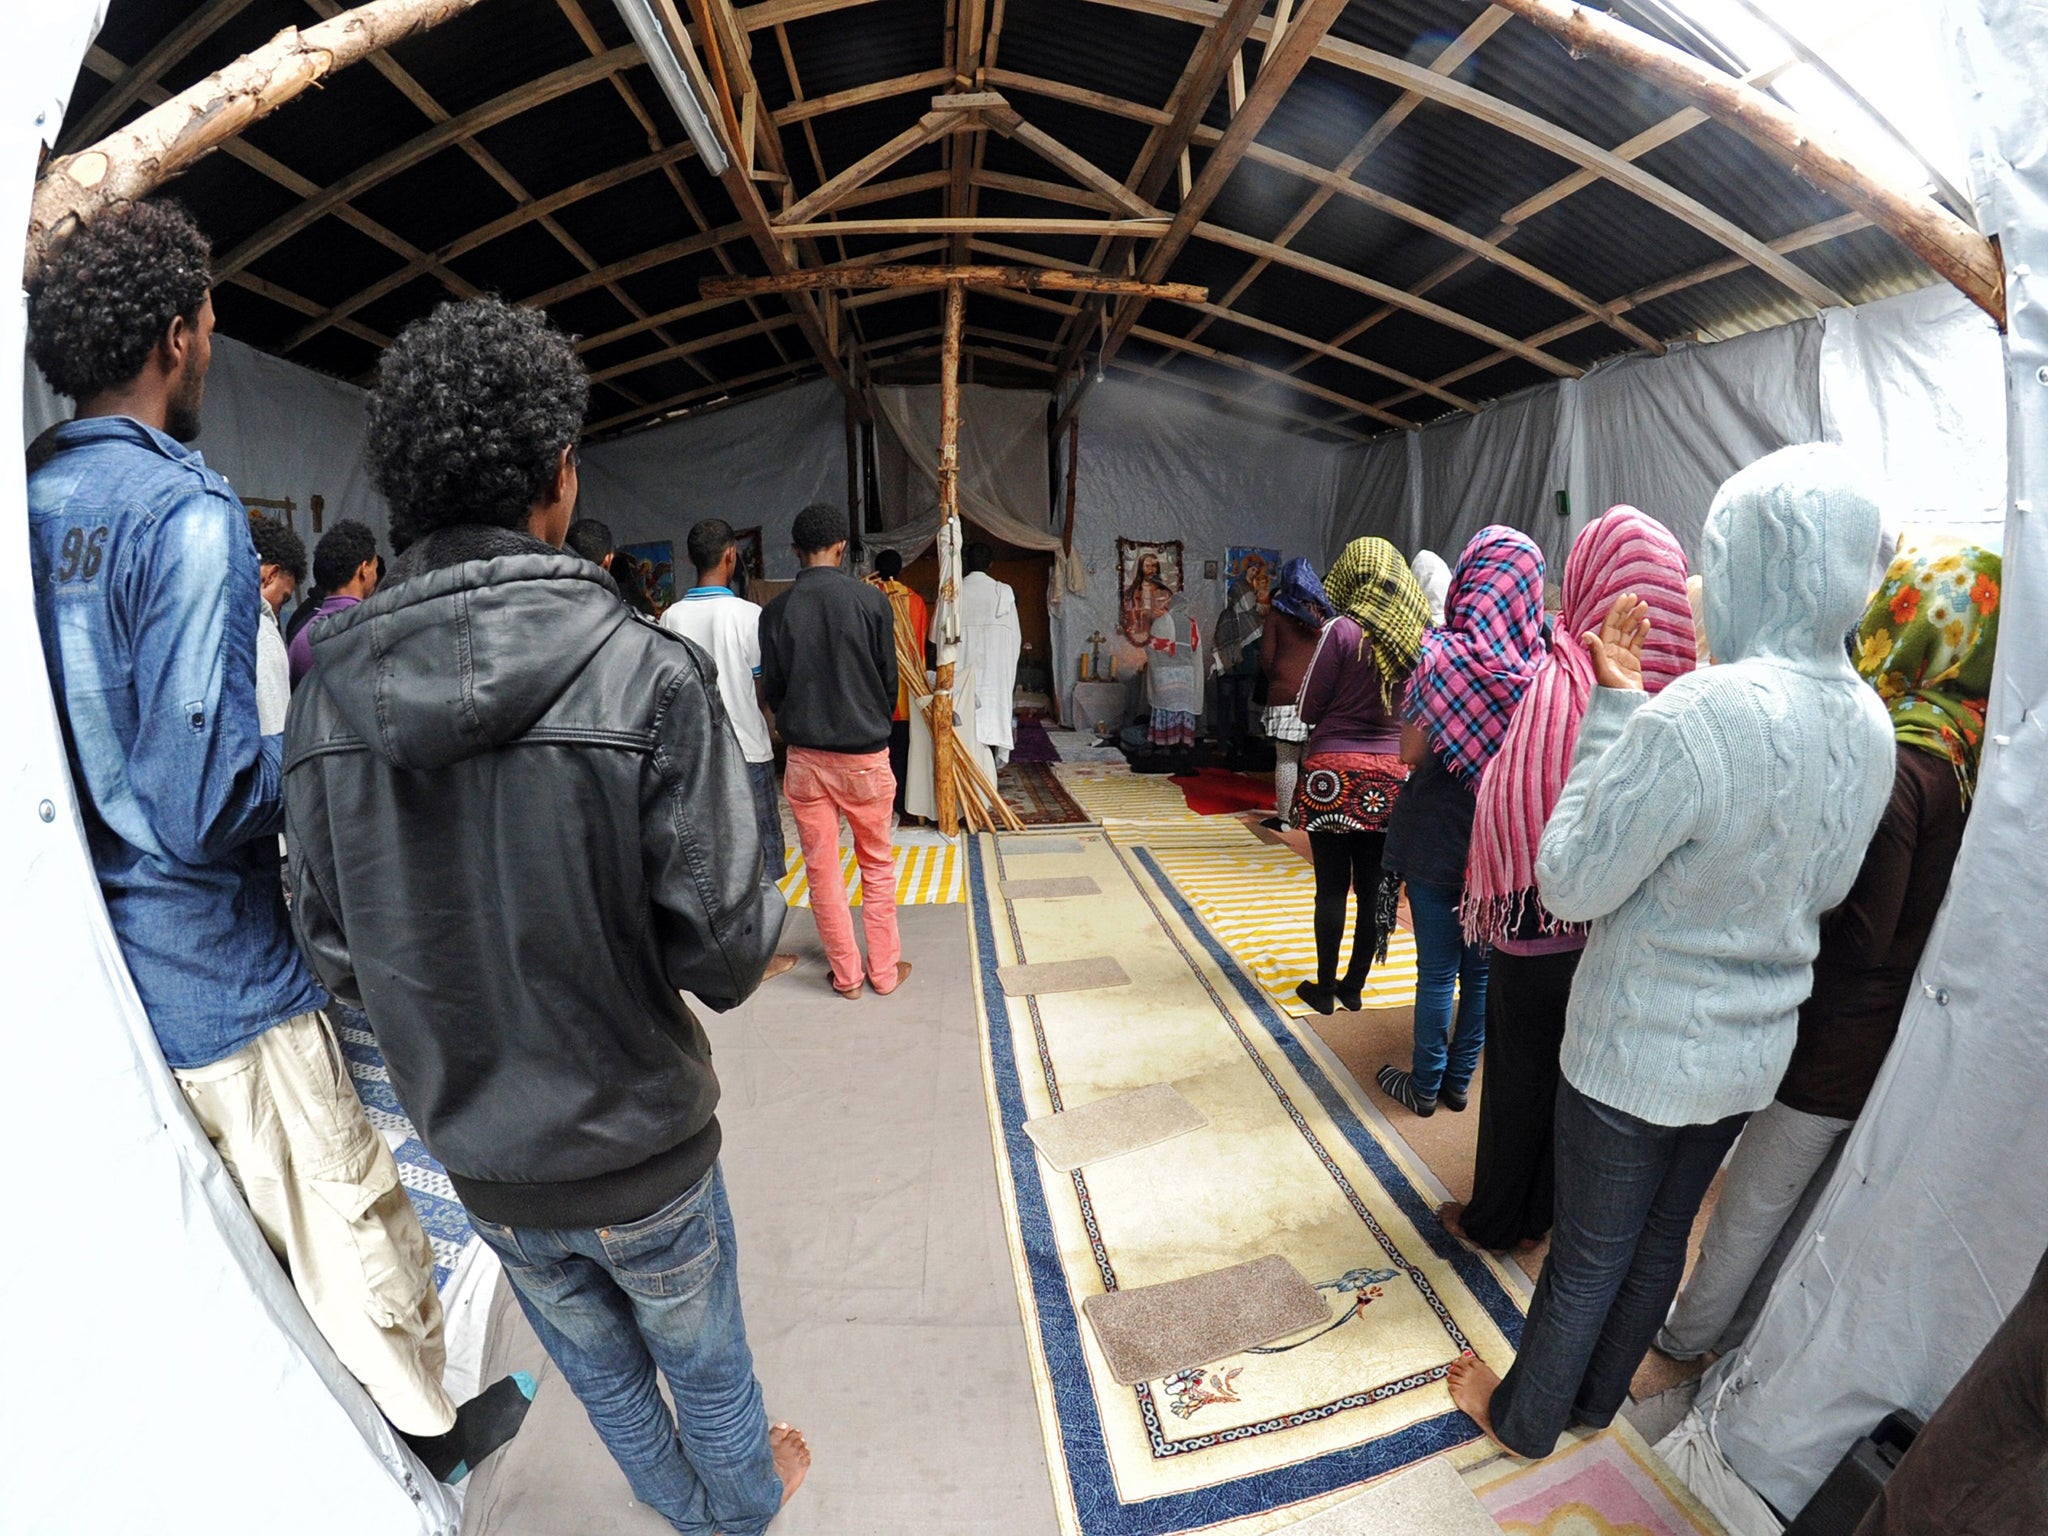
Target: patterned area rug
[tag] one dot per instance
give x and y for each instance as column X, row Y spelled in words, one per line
column 1291, row 1163
column 425, row 1180
column 1035, row 793
column 1607, row 1484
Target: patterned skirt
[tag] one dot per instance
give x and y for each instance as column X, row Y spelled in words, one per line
column 1172, row 728
column 1348, row 791
column 1283, row 723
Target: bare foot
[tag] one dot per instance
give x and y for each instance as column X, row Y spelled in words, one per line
column 902, row 975
column 1472, row 1382
column 792, row 1458
column 1452, row 1214
column 781, row 965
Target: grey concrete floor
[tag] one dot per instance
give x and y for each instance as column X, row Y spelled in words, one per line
column 873, row 1267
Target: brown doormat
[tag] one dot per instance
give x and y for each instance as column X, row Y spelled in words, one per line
column 1123, row 1122
column 1062, row 976
column 1035, row 793
column 1156, row 1330
column 1047, row 890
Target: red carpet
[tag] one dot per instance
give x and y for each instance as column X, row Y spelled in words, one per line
column 1219, row 792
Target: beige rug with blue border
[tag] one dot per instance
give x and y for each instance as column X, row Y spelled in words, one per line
column 1291, row 1161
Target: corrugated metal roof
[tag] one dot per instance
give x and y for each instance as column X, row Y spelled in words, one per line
column 1109, row 73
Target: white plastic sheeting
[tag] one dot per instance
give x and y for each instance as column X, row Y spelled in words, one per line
column 756, row 464
column 1155, row 464
column 1002, row 466
column 1934, row 1221
column 1913, row 385
column 277, row 431
column 163, row 1375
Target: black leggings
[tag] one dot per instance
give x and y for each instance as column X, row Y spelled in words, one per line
column 1344, row 862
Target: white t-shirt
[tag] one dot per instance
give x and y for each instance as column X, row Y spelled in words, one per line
column 729, row 628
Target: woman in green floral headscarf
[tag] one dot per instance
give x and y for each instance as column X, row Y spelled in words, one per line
column 1926, row 645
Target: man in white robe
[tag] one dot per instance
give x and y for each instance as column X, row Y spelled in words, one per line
column 990, row 642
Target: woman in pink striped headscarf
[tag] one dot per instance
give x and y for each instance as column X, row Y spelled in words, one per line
column 1622, row 555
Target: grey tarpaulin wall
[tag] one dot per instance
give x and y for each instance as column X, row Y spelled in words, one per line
column 1913, row 385
column 277, row 431
column 1936, row 1217
column 163, row 1376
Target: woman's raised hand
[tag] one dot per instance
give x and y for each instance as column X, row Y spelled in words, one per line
column 1617, row 647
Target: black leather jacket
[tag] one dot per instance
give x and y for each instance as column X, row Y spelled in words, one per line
column 519, row 825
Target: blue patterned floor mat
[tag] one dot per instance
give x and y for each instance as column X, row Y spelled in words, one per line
column 425, row 1180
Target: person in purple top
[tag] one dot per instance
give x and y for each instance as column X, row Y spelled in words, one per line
column 345, row 568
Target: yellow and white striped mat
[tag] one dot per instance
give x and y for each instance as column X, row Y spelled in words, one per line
column 1257, row 897
column 1259, row 901
column 927, row 875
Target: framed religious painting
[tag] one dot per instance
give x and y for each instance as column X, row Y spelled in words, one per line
column 1149, row 576
column 748, row 542
column 646, row 574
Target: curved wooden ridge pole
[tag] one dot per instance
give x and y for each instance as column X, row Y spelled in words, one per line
column 136, row 160
column 1948, row 245
column 1035, row 279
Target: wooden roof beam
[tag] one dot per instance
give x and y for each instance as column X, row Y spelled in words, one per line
column 134, row 83
column 684, row 350
column 933, row 125
column 1132, row 229
column 892, row 275
column 518, row 218
column 1238, row 399
column 1246, row 365
column 1455, row 53
column 1528, row 126
column 422, row 147
column 1948, row 245
column 1282, row 64
column 653, row 409
column 104, row 64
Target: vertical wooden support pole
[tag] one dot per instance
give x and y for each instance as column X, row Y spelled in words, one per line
column 949, row 559
column 1073, row 467
column 856, row 513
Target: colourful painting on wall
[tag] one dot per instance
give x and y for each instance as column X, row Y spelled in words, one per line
column 1246, row 565
column 646, row 574
column 1149, row 575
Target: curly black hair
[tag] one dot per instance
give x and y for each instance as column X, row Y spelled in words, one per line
column 341, row 552
column 107, row 292
column 708, row 542
column 277, row 545
column 818, row 526
column 473, row 407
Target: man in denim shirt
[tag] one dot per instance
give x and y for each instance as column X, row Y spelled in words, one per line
column 148, row 598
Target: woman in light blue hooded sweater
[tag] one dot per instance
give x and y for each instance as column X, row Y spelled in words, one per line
column 1702, row 833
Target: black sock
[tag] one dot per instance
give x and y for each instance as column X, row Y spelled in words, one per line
column 483, row 1424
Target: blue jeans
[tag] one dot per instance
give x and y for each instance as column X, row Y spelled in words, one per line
column 1444, row 964
column 613, row 1305
column 1627, row 1193
column 768, row 814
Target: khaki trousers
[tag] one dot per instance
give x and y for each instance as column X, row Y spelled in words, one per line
column 323, row 1188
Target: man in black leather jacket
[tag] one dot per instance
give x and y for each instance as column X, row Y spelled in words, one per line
column 520, row 826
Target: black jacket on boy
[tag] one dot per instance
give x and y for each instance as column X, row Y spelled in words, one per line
column 519, row 826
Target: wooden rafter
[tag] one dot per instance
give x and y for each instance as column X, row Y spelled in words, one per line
column 420, row 147
column 1455, row 53
column 149, row 70
column 1282, row 64
column 746, row 198
column 1948, row 245
column 483, row 235
column 183, row 128
column 1208, row 64
column 936, row 123
column 686, row 349
column 104, row 64
column 1246, row 365
column 1526, row 125
column 1239, row 399
column 654, row 410
column 1006, row 121
column 1130, row 229
column 896, row 275
column 627, row 266
column 804, row 110
column 423, row 101
column 579, row 20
